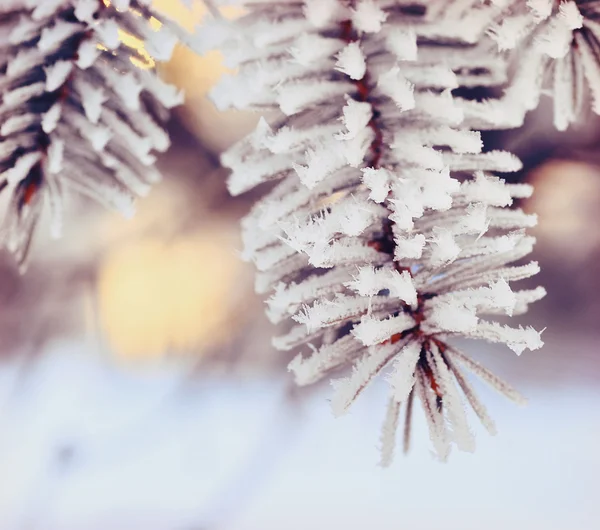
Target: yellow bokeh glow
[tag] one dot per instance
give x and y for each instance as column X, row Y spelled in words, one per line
column 157, row 298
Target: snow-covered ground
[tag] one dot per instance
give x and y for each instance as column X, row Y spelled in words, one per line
column 87, row 446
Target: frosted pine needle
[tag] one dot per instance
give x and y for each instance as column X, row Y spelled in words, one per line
column 80, row 109
column 388, row 233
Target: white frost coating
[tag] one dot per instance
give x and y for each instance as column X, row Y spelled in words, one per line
column 570, row 15
column 518, row 340
column 378, row 181
column 356, row 117
column 402, row 42
column 369, row 282
column 434, row 417
column 409, row 247
column 347, row 389
column 453, row 315
column 371, row 331
column 454, row 408
column 321, row 12
column 160, row 44
column 502, row 296
column 22, row 167
column 53, row 36
column 294, row 97
column 51, row 119
column 128, row 88
column 92, row 99
column 445, row 249
column 351, row 61
column 57, row 74
column 108, row 33
column 402, row 378
column 541, row 9
column 488, row 190
column 311, row 369
column 88, row 53
column 475, row 221
column 309, row 49
column 393, row 84
column 509, row 32
column 368, row 17
column 85, row 9
column 56, row 153
column 388, row 433
column 328, row 312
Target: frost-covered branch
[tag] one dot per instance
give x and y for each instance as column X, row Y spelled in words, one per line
column 80, row 108
column 388, row 232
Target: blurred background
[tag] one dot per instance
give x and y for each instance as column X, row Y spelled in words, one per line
column 138, row 388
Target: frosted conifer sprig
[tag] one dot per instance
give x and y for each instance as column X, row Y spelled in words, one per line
column 556, row 49
column 77, row 111
column 551, row 46
column 387, row 234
